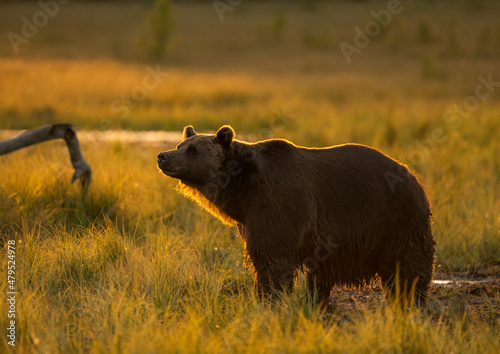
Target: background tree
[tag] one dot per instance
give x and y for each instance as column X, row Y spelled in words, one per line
column 153, row 36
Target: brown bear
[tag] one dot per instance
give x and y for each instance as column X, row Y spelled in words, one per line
column 342, row 214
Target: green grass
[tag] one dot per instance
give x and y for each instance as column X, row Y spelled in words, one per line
column 135, row 267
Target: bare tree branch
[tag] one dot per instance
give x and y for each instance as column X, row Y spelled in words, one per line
column 56, row 131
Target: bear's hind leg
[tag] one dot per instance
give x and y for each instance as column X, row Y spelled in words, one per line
column 317, row 285
column 406, row 287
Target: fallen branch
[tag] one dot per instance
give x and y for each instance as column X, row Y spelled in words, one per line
column 56, row 131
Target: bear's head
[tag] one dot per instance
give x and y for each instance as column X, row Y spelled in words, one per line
column 199, row 158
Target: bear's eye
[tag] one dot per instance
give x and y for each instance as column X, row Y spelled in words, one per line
column 191, row 150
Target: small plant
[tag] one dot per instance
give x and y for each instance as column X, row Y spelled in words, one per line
column 424, row 34
column 278, row 25
column 156, row 29
column 483, row 42
column 273, row 30
column 453, row 44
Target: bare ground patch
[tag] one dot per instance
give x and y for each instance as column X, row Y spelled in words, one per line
column 462, row 294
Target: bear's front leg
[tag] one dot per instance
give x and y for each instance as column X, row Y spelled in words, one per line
column 270, row 256
column 272, row 275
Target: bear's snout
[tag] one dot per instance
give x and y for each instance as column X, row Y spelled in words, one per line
column 162, row 156
column 164, row 161
column 170, row 166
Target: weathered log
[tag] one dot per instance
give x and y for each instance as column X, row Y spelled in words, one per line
column 56, row 131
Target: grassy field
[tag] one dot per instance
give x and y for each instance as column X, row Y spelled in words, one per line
column 134, row 267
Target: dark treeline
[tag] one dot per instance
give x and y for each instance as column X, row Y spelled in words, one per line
column 179, row 1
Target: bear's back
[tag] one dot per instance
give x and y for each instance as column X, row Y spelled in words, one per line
column 353, row 182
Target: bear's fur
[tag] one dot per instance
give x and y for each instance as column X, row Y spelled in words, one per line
column 342, row 214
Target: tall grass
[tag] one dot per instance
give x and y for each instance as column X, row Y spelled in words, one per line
column 102, row 290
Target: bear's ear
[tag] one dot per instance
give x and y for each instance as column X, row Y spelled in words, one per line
column 225, row 135
column 188, row 132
